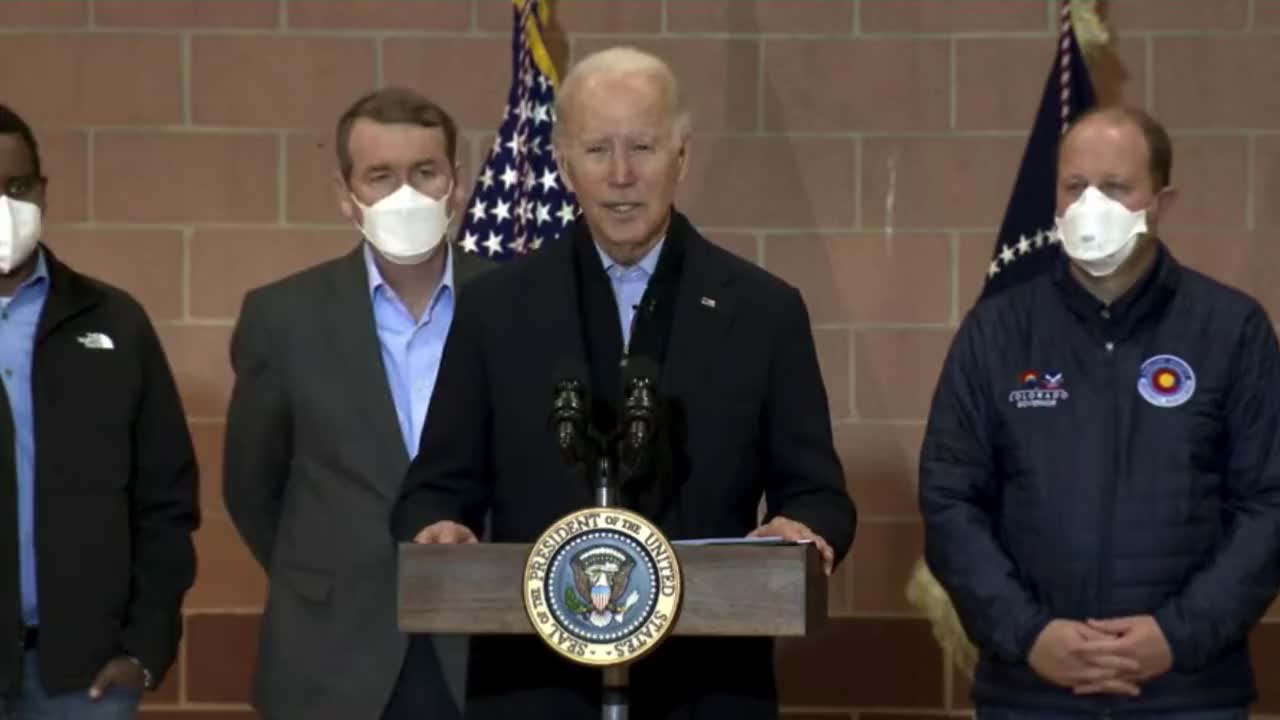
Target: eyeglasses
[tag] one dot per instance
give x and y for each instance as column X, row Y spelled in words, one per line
column 22, row 186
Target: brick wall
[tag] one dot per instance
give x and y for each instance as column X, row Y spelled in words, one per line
column 188, row 145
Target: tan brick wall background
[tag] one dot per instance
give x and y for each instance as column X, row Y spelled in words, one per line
column 188, row 146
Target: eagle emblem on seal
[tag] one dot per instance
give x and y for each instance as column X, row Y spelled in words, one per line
column 601, row 575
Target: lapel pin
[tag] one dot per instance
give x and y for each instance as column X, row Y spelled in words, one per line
column 709, row 302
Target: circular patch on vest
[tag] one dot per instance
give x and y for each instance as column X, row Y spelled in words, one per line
column 1166, row 381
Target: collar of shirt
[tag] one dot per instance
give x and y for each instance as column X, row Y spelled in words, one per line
column 1149, row 294
column 646, row 266
column 39, row 277
column 377, row 283
column 41, row 273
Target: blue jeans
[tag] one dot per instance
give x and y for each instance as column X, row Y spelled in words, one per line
column 998, row 712
column 32, row 703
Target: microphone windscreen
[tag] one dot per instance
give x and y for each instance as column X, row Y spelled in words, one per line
column 639, row 367
column 570, row 368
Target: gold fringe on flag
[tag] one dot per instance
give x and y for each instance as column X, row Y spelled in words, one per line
column 537, row 46
column 926, row 595
column 1091, row 32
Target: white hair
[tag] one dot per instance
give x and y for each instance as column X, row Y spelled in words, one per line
column 621, row 61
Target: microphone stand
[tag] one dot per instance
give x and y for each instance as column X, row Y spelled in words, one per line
column 615, row 678
column 614, row 701
column 615, row 686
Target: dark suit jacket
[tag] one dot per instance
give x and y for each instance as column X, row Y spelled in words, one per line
column 116, row 491
column 313, row 462
column 742, row 369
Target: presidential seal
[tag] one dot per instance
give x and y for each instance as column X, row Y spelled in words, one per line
column 602, row 586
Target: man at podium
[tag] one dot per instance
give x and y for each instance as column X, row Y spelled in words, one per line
column 743, row 409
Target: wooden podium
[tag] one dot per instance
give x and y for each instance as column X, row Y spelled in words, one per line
column 729, row 590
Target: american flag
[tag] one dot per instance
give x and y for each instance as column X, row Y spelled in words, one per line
column 519, row 201
column 1026, row 245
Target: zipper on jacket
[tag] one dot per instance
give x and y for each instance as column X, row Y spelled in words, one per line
column 1106, row 489
column 1106, row 496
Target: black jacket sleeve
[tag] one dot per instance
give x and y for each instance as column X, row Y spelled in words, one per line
column 805, row 478
column 957, row 494
column 1226, row 598
column 257, row 446
column 449, row 478
column 164, row 512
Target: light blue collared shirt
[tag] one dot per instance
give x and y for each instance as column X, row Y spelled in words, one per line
column 411, row 347
column 629, row 283
column 19, row 317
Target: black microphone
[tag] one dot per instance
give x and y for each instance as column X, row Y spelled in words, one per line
column 570, row 411
column 640, row 405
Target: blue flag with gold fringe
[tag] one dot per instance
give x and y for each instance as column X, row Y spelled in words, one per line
column 1026, row 245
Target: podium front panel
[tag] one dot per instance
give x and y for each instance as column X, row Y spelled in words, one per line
column 729, row 590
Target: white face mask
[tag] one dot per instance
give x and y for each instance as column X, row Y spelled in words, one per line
column 405, row 226
column 1099, row 233
column 19, row 232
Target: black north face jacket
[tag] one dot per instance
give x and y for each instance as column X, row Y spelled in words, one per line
column 1088, row 461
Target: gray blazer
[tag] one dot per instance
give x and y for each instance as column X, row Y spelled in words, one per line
column 313, row 463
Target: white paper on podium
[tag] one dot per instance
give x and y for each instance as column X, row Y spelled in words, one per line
column 770, row 540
